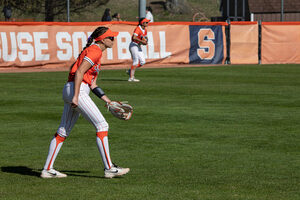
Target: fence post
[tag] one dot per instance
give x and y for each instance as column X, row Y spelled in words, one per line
column 259, row 42
column 227, row 33
column 68, row 10
column 282, row 10
column 142, row 8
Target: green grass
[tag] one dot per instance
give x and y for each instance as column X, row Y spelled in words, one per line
column 209, row 133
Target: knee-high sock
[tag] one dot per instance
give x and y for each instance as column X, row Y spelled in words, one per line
column 54, row 148
column 103, row 147
column 132, row 70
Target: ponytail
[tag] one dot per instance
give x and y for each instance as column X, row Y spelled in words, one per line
column 89, row 42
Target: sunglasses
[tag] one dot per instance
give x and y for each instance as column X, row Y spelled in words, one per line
column 111, row 38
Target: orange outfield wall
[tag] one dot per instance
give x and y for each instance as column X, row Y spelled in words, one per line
column 57, row 44
column 244, row 43
column 280, row 42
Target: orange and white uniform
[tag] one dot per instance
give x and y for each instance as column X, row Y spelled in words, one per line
column 86, row 106
column 140, row 33
column 93, row 55
column 135, row 49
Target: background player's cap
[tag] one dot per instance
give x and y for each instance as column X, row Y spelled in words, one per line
column 108, row 33
column 145, row 20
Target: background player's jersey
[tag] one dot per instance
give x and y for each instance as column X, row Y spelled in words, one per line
column 140, row 33
column 93, row 55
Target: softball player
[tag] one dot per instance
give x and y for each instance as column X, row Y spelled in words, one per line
column 139, row 38
column 82, row 78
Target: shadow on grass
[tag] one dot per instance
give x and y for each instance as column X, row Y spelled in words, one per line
column 74, row 173
column 80, row 174
column 23, row 170
column 26, row 171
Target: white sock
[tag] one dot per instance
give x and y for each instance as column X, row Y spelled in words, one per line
column 54, row 148
column 103, row 147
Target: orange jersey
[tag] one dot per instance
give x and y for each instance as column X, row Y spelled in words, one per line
column 140, row 33
column 93, row 55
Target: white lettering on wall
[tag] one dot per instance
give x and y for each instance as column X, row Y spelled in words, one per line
column 123, row 41
column 144, row 49
column 163, row 52
column 76, row 37
column 13, row 47
column 152, row 54
column 34, row 46
column 109, row 54
column 66, row 48
column 39, row 46
column 26, row 52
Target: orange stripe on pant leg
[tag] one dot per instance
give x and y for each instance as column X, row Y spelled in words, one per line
column 132, row 70
column 101, row 135
column 135, row 66
column 59, row 140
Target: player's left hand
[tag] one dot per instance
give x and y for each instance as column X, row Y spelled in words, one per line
column 145, row 40
column 120, row 110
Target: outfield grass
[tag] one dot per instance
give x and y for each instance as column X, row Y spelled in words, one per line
column 210, row 133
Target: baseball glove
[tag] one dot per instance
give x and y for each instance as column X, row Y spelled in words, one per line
column 120, row 110
column 145, row 39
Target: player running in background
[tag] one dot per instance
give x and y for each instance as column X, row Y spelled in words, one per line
column 139, row 38
column 82, row 79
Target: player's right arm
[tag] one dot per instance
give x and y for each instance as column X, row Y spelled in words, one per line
column 84, row 66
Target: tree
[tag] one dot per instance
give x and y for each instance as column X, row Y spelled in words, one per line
column 53, row 8
column 178, row 7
